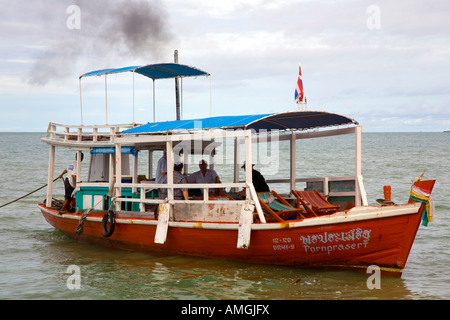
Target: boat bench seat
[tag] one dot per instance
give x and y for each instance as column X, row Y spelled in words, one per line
column 277, row 208
column 314, row 202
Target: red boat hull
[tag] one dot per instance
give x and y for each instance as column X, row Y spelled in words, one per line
column 352, row 241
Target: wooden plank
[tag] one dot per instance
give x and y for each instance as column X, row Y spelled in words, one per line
column 245, row 226
column 257, row 204
column 163, row 223
column 134, row 214
column 213, row 211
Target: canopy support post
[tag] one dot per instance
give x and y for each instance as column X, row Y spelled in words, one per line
column 236, row 162
column 78, row 180
column 250, row 190
column 360, row 192
column 51, row 167
column 133, row 97
column 154, row 100
column 150, row 164
column 111, row 190
column 106, row 100
column 181, row 100
column 248, row 161
column 210, row 96
column 177, row 89
column 81, row 104
column 293, row 168
column 135, row 171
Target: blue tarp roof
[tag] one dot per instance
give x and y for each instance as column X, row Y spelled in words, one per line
column 298, row 120
column 154, row 71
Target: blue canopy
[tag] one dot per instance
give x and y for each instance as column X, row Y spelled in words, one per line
column 154, row 71
column 298, row 120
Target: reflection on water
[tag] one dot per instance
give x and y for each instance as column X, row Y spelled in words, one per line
column 111, row 274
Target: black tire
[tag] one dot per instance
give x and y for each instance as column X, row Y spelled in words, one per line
column 108, row 217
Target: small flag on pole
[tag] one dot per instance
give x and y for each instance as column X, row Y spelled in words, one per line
column 299, row 88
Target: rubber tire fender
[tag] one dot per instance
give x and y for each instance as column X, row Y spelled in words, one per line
column 108, row 217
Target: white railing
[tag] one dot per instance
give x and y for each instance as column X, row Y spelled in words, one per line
column 89, row 133
column 145, row 187
column 324, row 180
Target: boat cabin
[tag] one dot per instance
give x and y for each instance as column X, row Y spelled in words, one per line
column 122, row 162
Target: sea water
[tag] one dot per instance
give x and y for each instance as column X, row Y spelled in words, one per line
column 37, row 261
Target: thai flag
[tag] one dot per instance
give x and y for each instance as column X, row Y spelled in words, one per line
column 299, row 89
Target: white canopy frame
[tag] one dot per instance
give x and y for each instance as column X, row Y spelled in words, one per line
column 133, row 70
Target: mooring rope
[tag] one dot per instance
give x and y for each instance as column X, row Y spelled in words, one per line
column 84, row 215
column 79, row 228
column 4, row 205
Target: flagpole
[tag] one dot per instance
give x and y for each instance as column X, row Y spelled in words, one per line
column 303, row 104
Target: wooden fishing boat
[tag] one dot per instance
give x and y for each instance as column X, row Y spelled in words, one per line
column 328, row 224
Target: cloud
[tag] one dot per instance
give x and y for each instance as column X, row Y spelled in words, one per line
column 109, row 32
column 252, row 49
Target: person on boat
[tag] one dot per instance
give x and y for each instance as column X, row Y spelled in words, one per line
column 161, row 175
column 258, row 180
column 205, row 175
column 70, row 182
column 178, row 177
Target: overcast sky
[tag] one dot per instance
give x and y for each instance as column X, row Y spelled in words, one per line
column 384, row 63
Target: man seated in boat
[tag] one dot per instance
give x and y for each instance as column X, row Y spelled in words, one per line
column 258, row 182
column 178, row 177
column 205, row 175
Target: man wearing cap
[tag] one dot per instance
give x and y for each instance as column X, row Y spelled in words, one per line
column 258, row 182
column 70, row 183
